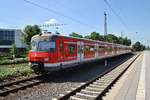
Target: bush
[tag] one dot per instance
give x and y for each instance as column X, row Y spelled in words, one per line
column 22, row 56
column 13, row 51
column 138, row 46
column 4, row 54
column 17, row 60
column 6, row 72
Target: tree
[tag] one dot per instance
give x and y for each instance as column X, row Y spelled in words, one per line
column 87, row 37
column 30, row 31
column 73, row 34
column 148, row 48
column 95, row 36
column 111, row 38
column 13, row 50
column 120, row 40
column 101, row 38
column 138, row 46
column 126, row 41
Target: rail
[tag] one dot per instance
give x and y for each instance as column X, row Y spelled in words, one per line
column 7, row 88
column 97, row 87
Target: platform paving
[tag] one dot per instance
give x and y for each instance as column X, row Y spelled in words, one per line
column 135, row 83
column 147, row 74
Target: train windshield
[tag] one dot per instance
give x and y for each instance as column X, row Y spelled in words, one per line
column 46, row 46
column 43, row 46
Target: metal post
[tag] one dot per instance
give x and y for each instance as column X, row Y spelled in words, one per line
column 105, row 23
column 105, row 34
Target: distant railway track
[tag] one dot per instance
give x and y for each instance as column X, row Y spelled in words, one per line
column 96, row 88
column 11, row 87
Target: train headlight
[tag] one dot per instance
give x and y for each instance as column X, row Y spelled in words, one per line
column 46, row 59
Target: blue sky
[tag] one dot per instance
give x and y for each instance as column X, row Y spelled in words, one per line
column 134, row 13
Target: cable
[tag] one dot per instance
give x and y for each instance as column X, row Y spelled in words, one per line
column 58, row 13
column 123, row 23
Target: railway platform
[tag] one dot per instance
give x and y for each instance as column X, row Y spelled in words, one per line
column 134, row 84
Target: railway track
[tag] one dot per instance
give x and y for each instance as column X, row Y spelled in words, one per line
column 12, row 87
column 96, row 88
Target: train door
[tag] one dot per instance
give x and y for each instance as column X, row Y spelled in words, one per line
column 113, row 49
column 96, row 50
column 106, row 50
column 80, row 48
column 61, row 51
column 71, row 52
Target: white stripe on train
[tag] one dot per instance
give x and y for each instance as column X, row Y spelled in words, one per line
column 46, row 65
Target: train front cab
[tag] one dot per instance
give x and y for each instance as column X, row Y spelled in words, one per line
column 43, row 53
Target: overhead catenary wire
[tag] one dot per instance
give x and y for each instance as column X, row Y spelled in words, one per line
column 58, row 13
column 116, row 14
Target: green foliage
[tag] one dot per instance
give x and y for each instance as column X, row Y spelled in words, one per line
column 121, row 40
column 109, row 38
column 73, row 34
column 14, row 61
column 10, row 72
column 87, row 37
column 126, row 41
column 5, row 55
column 13, row 51
column 138, row 46
column 148, row 48
column 28, row 48
column 96, row 36
column 30, row 31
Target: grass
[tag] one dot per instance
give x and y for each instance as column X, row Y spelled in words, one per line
column 11, row 72
column 15, row 61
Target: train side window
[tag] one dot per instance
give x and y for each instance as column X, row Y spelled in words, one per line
column 109, row 49
column 101, row 48
column 91, row 48
column 61, row 45
column 71, row 48
column 87, row 49
column 46, row 46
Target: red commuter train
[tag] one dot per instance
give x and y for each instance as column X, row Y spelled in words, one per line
column 54, row 52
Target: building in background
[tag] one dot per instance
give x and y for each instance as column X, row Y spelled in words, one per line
column 9, row 37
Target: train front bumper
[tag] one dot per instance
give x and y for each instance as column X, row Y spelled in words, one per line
column 51, row 66
column 36, row 65
column 44, row 66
